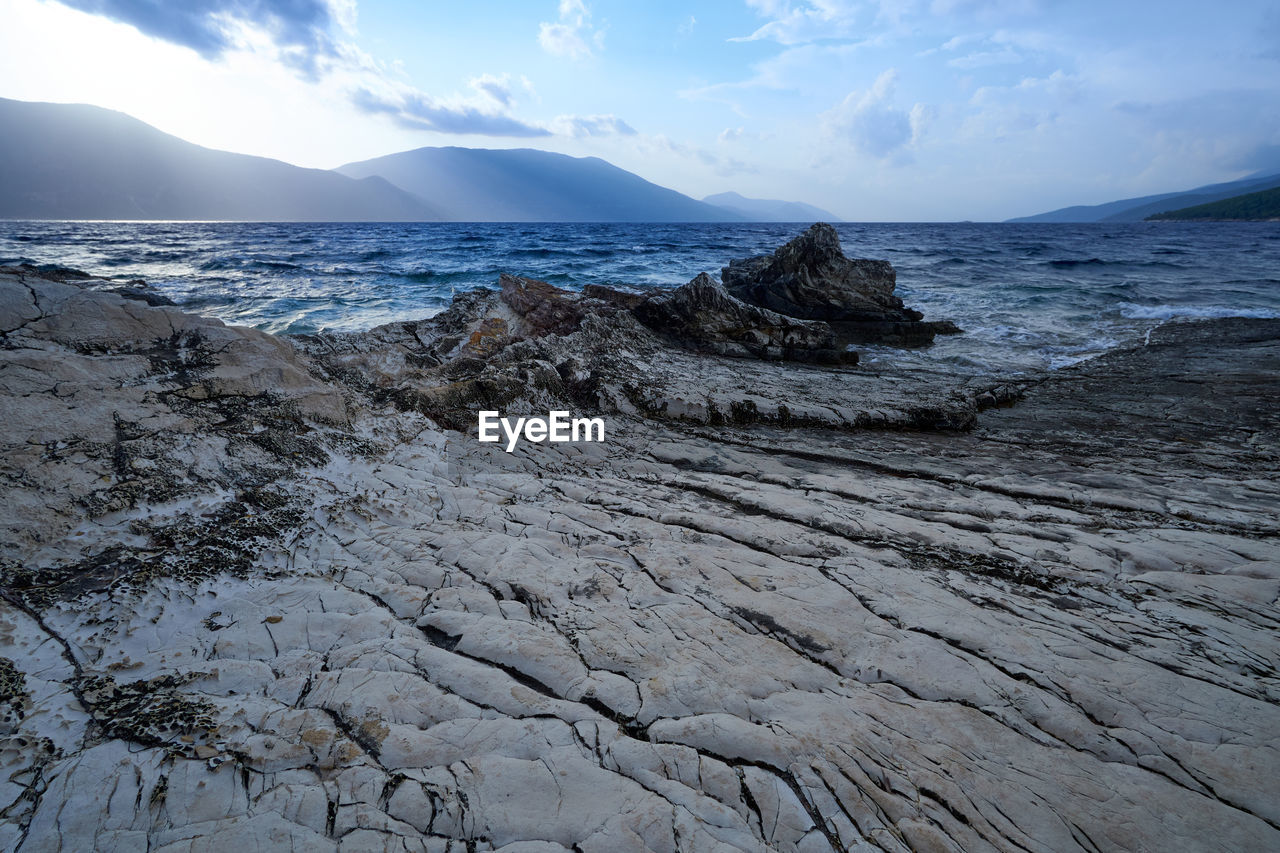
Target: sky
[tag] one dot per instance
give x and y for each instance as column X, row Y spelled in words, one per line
column 876, row 110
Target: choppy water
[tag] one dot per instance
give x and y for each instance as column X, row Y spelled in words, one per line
column 1028, row 295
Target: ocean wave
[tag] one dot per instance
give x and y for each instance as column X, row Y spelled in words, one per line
column 1210, row 312
column 1028, row 297
column 1071, row 263
column 1067, row 263
column 420, row 276
column 1058, row 362
column 225, row 263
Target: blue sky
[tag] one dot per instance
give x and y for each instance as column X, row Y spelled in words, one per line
column 873, row 109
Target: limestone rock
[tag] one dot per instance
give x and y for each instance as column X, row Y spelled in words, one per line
column 1054, row 631
column 127, row 403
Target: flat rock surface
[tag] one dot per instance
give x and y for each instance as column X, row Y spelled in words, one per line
column 1055, row 631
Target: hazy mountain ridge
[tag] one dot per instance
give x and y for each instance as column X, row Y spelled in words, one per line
column 1138, row 209
column 528, row 185
column 74, row 161
column 770, row 210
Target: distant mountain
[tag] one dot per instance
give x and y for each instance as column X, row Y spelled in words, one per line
column 1138, row 209
column 72, row 161
column 1251, row 207
column 769, row 210
column 525, row 185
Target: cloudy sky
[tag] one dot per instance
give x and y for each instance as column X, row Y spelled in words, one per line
column 873, row 109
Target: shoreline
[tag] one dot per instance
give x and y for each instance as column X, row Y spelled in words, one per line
column 1049, row 294
column 265, row 588
column 1160, row 318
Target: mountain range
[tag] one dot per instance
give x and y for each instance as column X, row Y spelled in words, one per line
column 74, row 161
column 1138, row 209
column 525, row 185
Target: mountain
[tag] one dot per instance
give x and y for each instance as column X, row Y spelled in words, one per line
column 770, row 210
column 1138, row 209
column 72, row 161
column 1264, row 205
column 525, row 185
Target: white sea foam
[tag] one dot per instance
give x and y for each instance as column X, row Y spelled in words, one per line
column 1173, row 312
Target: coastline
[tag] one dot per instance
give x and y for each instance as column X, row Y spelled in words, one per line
column 268, row 578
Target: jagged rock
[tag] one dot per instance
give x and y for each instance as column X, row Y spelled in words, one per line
column 612, row 296
column 479, row 354
column 810, row 278
column 132, row 289
column 702, row 316
column 52, row 272
column 141, row 291
column 546, row 309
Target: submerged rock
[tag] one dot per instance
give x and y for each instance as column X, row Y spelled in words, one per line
column 810, row 278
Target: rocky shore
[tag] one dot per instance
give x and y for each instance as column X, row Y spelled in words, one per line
column 272, row 594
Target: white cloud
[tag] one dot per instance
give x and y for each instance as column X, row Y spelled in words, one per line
column 477, row 114
column 496, row 87
column 1000, row 48
column 313, row 38
column 986, row 58
column 805, row 69
column 572, row 35
column 793, row 22
column 301, row 30
column 800, row 23
column 592, row 125
column 871, row 122
column 960, row 41
column 484, row 110
column 722, row 165
column 344, row 15
column 994, row 10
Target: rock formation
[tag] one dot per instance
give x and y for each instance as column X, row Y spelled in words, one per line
column 810, row 278
column 703, row 317
column 257, row 595
column 694, row 353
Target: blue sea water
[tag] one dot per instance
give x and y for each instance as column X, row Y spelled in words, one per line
column 1029, row 296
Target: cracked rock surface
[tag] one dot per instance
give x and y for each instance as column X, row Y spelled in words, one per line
column 257, row 596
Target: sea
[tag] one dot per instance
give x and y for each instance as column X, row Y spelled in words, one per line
column 1029, row 296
